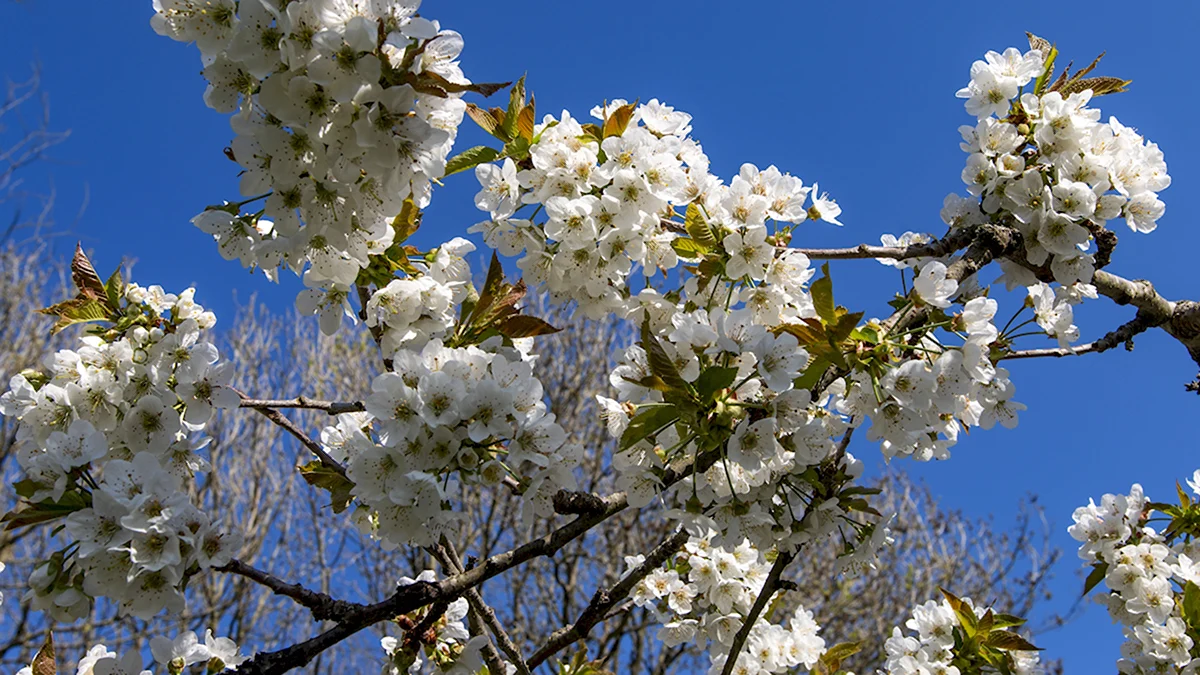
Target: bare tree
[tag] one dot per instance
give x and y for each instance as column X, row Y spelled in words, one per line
column 25, row 138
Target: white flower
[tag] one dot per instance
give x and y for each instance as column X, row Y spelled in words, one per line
column 179, row 653
column 933, row 287
column 749, row 253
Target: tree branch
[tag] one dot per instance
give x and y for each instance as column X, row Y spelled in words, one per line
column 1122, row 335
column 449, row 558
column 322, row 606
column 331, row 407
column 287, row 425
column 419, row 594
column 605, row 599
column 955, row 240
column 760, row 603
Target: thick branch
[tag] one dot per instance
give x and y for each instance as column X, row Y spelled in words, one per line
column 322, row 606
column 605, row 599
column 420, row 594
column 760, row 603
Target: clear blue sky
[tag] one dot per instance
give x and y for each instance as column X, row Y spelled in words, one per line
column 857, row 96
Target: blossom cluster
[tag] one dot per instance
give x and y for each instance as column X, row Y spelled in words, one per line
column 216, row 654
column 448, row 647
column 1043, row 162
column 789, row 433
column 343, row 109
column 918, row 408
column 110, row 434
column 608, row 197
column 703, row 596
column 475, row 414
column 1151, row 575
column 411, row 311
column 938, row 639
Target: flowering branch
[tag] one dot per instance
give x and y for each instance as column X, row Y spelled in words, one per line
column 422, row 593
column 1122, row 335
column 760, row 603
column 957, row 239
column 481, row 612
column 605, row 599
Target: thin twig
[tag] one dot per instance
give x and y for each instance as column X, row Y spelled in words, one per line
column 287, row 425
column 485, row 613
column 1124, row 334
column 760, row 603
column 303, row 402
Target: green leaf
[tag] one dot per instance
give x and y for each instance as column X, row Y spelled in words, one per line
column 44, row 661
column 844, row 326
column 966, row 615
column 470, row 158
column 85, row 277
column 697, row 228
column 688, row 249
column 518, row 149
column 809, row 333
column 661, row 364
column 114, row 290
column 318, row 475
column 650, row 419
column 616, row 123
column 842, row 651
column 1191, row 605
column 812, row 374
column 866, row 334
column 1099, row 570
column 45, row 511
column 1002, row 639
column 516, row 103
column 76, row 310
column 25, row 489
column 491, row 289
column 521, row 326
column 1184, row 500
column 822, row 295
column 986, row 622
column 713, row 380
column 1007, row 621
column 1049, row 55
column 36, row 378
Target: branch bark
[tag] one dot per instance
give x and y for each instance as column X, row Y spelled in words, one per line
column 323, row 607
column 606, row 599
column 302, row 402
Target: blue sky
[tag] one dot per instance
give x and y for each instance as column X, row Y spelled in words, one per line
column 857, row 96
